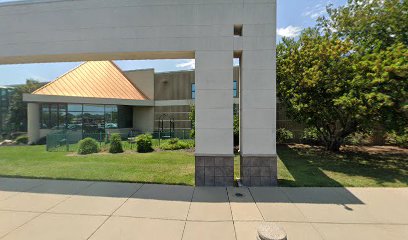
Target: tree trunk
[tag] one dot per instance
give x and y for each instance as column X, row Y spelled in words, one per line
column 333, row 145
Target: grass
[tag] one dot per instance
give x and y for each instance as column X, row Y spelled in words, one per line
column 302, row 165
column 298, row 166
column 158, row 167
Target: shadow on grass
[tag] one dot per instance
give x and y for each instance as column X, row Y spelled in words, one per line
column 309, row 167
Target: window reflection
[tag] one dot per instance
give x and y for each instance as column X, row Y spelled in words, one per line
column 80, row 117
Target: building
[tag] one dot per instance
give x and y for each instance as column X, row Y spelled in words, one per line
column 81, row 101
column 212, row 32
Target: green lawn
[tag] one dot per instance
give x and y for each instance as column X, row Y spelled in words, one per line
column 299, row 166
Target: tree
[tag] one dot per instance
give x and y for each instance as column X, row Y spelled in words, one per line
column 315, row 81
column 17, row 117
column 369, row 24
column 350, row 72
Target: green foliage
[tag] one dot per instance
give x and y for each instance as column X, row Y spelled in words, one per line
column 88, row 146
column 369, row 23
column 144, row 143
column 17, row 117
column 359, row 138
column 115, row 143
column 311, row 136
column 350, row 74
column 236, row 130
column 22, row 139
column 174, row 144
column 191, row 117
column 283, row 135
column 401, row 140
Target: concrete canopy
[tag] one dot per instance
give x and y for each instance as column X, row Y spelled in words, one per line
column 211, row 31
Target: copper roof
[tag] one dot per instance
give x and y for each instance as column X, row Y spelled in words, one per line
column 96, row 79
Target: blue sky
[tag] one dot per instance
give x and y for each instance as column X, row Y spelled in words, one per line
column 292, row 17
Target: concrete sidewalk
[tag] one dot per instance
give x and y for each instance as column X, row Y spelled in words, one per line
column 47, row 209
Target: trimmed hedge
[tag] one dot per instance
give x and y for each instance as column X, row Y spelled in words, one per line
column 144, row 143
column 116, row 143
column 88, row 146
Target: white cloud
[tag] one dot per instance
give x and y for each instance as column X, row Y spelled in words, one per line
column 188, row 64
column 289, row 31
column 315, row 11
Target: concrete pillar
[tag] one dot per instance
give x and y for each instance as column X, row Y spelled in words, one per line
column 33, row 122
column 214, row 118
column 258, row 106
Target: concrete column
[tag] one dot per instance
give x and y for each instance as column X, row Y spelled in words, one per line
column 214, row 118
column 258, row 106
column 33, row 122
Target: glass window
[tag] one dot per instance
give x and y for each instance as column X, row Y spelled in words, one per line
column 74, row 121
column 111, row 116
column 45, row 116
column 93, row 121
column 126, row 117
column 94, row 108
column 235, row 88
column 75, row 107
column 193, row 91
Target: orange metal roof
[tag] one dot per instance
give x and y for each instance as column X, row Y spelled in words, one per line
column 96, row 79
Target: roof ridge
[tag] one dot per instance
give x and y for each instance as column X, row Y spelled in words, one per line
column 126, row 77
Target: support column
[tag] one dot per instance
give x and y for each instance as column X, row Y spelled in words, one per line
column 33, row 122
column 258, row 106
column 214, row 157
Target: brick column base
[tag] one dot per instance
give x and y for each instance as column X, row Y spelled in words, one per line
column 259, row 170
column 214, row 170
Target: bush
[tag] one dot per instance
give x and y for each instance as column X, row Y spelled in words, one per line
column 311, row 136
column 88, row 146
column 174, row 144
column 283, row 135
column 144, row 143
column 116, row 144
column 398, row 139
column 236, row 130
column 359, row 138
column 22, row 140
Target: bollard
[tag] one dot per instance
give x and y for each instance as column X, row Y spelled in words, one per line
column 270, row 231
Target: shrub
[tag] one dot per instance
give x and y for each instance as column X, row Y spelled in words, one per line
column 22, row 140
column 144, row 143
column 88, row 146
column 283, row 135
column 174, row 144
column 311, row 136
column 236, row 130
column 398, row 139
column 192, row 133
column 359, row 138
column 115, row 143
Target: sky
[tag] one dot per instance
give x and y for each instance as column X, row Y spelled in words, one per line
column 292, row 17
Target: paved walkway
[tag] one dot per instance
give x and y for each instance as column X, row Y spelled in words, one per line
column 46, row 209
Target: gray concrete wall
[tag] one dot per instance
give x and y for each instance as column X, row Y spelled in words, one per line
column 173, row 85
column 143, row 119
column 33, row 122
column 143, row 80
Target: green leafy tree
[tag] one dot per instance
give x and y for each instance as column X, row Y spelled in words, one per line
column 17, row 117
column 351, row 72
column 369, row 24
